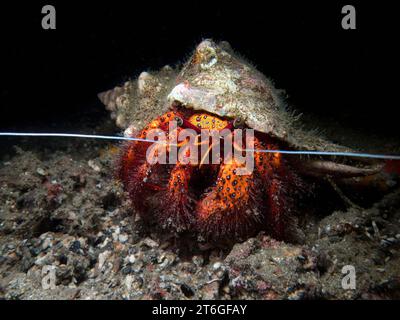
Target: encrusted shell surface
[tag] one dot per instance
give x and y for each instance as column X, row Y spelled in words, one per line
column 216, row 80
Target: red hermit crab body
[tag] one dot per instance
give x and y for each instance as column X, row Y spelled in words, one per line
column 211, row 199
column 213, row 90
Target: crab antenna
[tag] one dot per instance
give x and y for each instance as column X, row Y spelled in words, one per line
column 297, row 152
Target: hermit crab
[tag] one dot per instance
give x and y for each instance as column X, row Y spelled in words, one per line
column 217, row 90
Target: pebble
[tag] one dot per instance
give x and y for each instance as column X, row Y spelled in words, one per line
column 210, row 291
column 161, row 258
column 123, row 238
column 103, row 257
column 105, row 242
column 94, row 166
column 138, row 266
column 115, row 235
column 131, row 258
column 388, row 242
column 217, row 265
column 46, row 243
column 376, row 229
column 187, row 290
column 150, row 243
column 71, row 215
column 75, row 246
column 392, row 240
column 40, row 172
column 41, row 261
column 128, row 282
column 198, row 260
column 226, row 289
column 117, row 264
column 126, row 270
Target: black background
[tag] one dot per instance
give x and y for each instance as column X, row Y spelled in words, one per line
column 113, row 309
column 48, row 76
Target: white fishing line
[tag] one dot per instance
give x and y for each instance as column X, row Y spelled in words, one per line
column 71, row 135
column 297, row 152
column 332, row 153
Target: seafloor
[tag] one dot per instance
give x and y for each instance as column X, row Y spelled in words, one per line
column 60, row 206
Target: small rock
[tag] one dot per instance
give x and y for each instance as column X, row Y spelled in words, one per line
column 187, row 291
column 198, row 261
column 117, row 264
column 150, row 243
column 131, row 258
column 102, row 258
column 26, row 263
column 71, row 215
column 40, row 172
column 226, row 289
column 217, row 265
column 138, row 266
column 94, row 166
column 42, row 261
column 128, row 282
column 126, row 270
column 123, row 238
column 211, row 291
column 46, row 243
column 75, row 246
column 388, row 242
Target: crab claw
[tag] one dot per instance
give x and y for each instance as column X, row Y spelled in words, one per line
column 176, row 211
column 140, row 178
column 231, row 207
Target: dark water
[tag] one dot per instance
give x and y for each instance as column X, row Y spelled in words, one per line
column 48, row 75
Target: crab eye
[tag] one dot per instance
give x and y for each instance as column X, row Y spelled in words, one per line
column 179, row 121
column 238, row 122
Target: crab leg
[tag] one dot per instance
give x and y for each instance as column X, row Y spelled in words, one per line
column 134, row 153
column 177, row 207
column 280, row 183
column 230, row 208
column 134, row 170
column 318, row 168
